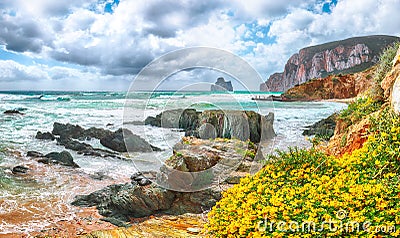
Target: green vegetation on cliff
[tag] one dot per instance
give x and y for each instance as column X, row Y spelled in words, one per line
column 306, row 193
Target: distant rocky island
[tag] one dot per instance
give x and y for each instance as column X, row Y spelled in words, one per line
column 222, row 85
column 339, row 57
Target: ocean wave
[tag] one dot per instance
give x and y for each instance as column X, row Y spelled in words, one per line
column 15, row 97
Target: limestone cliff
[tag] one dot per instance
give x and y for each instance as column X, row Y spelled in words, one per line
column 346, row 56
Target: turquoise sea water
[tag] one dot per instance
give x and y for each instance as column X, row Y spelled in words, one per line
column 109, row 110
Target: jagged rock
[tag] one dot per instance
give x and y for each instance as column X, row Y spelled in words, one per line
column 350, row 55
column 222, row 85
column 243, row 125
column 34, row 154
column 67, row 130
column 324, row 128
column 62, row 158
column 13, row 112
column 128, row 200
column 112, row 140
column 134, row 143
column 20, row 169
column 44, row 136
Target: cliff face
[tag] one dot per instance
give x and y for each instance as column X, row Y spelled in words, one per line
column 332, row 86
column 346, row 56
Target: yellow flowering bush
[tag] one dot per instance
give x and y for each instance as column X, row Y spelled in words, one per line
column 305, row 193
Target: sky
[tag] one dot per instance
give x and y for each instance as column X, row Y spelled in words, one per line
column 104, row 44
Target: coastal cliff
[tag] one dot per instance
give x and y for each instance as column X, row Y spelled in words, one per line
column 345, row 56
column 332, row 87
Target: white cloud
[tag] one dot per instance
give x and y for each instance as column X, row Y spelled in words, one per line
column 116, row 46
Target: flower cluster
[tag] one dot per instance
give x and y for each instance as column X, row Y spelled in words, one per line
column 309, row 186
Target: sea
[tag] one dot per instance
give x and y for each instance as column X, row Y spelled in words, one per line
column 34, row 201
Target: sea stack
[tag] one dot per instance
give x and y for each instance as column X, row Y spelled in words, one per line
column 222, row 85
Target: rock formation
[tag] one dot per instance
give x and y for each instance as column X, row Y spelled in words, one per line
column 346, row 56
column 222, row 85
column 121, row 202
column 242, row 125
column 331, row 87
column 120, row 140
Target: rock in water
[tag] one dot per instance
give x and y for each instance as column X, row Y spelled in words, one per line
column 222, row 85
column 67, row 130
column 13, row 112
column 20, row 169
column 134, row 143
column 44, row 136
column 62, row 158
column 34, row 154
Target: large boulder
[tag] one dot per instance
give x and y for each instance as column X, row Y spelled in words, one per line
column 67, row 130
column 186, row 119
column 112, row 140
column 128, row 200
column 123, row 140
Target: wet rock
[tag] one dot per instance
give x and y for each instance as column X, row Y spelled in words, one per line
column 13, row 112
column 116, row 141
column 62, row 158
column 324, row 128
column 34, row 154
column 67, row 130
column 44, row 136
column 152, row 121
column 20, row 169
column 97, row 133
column 73, row 144
column 77, row 132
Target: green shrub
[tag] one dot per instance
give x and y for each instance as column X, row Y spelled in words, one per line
column 359, row 109
column 385, row 62
column 309, row 187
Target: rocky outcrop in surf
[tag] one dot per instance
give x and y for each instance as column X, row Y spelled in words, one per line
column 243, row 125
column 120, row 140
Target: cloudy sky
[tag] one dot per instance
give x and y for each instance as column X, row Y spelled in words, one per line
column 103, row 44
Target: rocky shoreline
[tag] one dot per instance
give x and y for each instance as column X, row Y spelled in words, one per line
column 202, row 164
